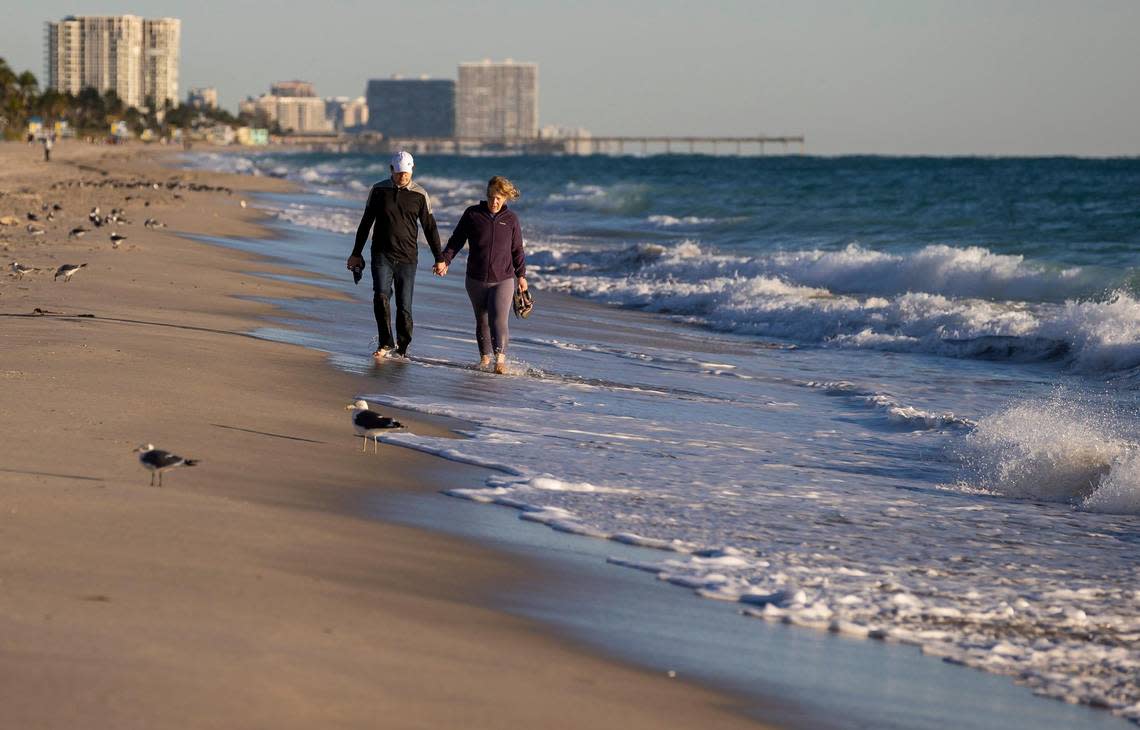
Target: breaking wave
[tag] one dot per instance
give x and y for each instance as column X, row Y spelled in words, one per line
column 938, row 300
column 1061, row 449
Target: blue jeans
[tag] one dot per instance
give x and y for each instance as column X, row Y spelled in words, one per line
column 384, row 274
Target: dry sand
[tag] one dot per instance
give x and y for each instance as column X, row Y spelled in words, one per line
column 248, row 592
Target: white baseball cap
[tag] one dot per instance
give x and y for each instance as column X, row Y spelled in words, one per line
column 402, row 162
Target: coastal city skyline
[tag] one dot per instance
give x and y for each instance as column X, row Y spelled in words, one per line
column 893, row 78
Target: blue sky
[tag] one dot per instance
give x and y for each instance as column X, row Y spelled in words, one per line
column 891, row 77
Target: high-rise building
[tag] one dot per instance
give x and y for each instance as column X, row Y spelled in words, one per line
column 162, row 40
column 347, row 114
column 497, row 100
column 295, row 114
column 134, row 57
column 420, row 107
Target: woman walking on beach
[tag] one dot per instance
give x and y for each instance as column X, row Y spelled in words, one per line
column 494, row 264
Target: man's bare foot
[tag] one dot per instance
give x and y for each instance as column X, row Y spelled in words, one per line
column 382, row 353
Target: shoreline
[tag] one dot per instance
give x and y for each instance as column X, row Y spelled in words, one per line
column 248, row 584
column 336, row 338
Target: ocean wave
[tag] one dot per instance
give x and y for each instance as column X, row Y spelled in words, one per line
column 895, row 412
column 668, row 221
column 222, row 162
column 972, row 272
column 1061, row 449
column 744, row 296
column 617, row 199
column 320, row 218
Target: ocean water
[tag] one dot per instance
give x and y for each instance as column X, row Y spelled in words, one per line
column 894, row 399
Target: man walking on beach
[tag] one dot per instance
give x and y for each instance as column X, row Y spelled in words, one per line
column 395, row 206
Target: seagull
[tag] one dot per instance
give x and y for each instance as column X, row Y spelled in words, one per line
column 33, row 216
column 369, row 424
column 77, row 232
column 153, row 223
column 35, row 230
column 116, row 239
column 19, row 269
column 159, row 461
column 67, row 271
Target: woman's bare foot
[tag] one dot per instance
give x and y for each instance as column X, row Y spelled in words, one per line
column 485, row 361
column 501, row 364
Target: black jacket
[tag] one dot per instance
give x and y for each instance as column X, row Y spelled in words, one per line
column 395, row 211
column 496, row 244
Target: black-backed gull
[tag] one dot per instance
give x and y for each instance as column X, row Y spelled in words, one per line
column 19, row 269
column 369, row 424
column 67, row 271
column 158, row 461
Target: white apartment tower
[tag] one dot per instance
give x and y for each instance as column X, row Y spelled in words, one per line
column 497, row 100
column 132, row 56
column 162, row 42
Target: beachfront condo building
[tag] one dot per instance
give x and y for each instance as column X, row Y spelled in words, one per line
column 423, row 107
column 294, row 114
column 294, row 106
column 497, row 100
column 162, row 41
column 135, row 57
column 345, row 114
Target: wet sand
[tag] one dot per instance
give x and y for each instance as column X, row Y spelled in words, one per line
column 248, row 591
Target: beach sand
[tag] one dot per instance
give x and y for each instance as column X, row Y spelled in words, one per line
column 248, row 591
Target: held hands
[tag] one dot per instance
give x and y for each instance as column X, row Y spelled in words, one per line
column 522, row 283
column 440, row 268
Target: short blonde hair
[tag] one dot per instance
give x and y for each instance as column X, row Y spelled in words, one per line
column 502, row 186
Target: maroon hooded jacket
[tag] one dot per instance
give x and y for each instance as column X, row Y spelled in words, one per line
column 496, row 244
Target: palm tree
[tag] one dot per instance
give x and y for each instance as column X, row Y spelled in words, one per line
column 7, row 79
column 90, row 111
column 7, row 87
column 29, row 87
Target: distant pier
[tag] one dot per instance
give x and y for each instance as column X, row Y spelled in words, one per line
column 607, row 145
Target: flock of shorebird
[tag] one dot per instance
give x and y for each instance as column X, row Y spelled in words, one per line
column 96, row 217
column 116, row 217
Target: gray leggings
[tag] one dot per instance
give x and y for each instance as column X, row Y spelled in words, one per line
column 492, row 304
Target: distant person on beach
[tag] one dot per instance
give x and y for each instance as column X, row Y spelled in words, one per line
column 395, row 206
column 47, row 147
column 495, row 263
